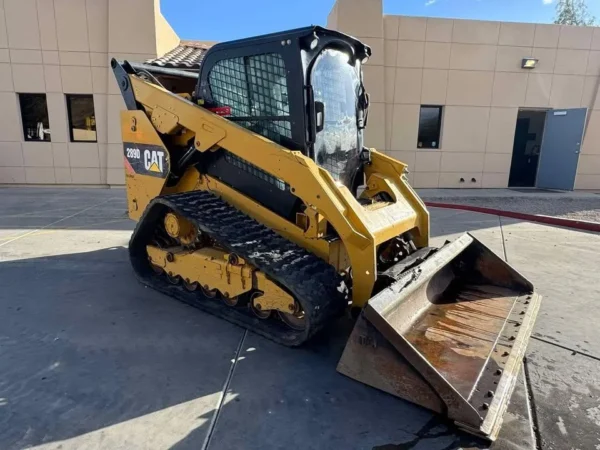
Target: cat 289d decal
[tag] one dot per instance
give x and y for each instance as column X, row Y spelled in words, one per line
column 146, row 159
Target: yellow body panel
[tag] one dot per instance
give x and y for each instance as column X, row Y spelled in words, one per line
column 273, row 298
column 141, row 189
column 360, row 229
column 212, row 269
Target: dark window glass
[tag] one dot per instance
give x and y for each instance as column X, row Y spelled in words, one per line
column 255, row 88
column 229, row 86
column 268, row 84
column 82, row 119
column 34, row 115
column 430, row 125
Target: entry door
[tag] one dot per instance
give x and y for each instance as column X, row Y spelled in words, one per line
column 563, row 136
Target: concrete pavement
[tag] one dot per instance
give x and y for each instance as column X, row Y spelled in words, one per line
column 577, row 205
column 91, row 359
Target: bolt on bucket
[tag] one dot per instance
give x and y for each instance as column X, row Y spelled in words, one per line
column 449, row 335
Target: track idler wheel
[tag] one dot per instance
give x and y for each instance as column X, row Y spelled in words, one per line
column 256, row 309
column 296, row 320
column 180, row 228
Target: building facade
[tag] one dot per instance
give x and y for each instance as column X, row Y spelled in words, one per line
column 59, row 103
column 464, row 80
column 451, row 98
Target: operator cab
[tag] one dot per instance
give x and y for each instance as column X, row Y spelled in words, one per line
column 301, row 88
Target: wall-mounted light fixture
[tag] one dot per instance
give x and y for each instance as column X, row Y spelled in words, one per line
column 529, row 63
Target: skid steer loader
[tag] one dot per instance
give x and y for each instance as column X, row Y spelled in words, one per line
column 257, row 201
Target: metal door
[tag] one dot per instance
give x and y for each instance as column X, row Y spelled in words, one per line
column 563, row 135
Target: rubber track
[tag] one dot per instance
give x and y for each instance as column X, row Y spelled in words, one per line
column 314, row 283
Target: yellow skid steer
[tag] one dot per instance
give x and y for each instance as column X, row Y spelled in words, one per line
column 257, row 201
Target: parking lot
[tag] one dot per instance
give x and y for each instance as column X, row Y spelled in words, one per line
column 89, row 358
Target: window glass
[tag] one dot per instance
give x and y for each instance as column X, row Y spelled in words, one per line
column 336, row 84
column 82, row 119
column 268, row 85
column 34, row 116
column 430, row 125
column 255, row 88
column 228, row 85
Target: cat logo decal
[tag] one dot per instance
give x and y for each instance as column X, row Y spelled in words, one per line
column 146, row 159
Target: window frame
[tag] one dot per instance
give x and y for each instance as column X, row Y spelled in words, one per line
column 440, row 108
column 70, row 124
column 23, row 129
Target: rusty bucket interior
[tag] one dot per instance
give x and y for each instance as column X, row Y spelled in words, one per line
column 449, row 335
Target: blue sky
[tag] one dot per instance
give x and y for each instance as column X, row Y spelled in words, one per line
column 233, row 19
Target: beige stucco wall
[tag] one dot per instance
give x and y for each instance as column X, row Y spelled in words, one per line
column 63, row 47
column 166, row 38
column 470, row 67
column 473, row 69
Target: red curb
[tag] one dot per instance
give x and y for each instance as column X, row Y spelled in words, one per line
column 548, row 220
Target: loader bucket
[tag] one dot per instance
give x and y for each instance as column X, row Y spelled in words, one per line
column 449, row 335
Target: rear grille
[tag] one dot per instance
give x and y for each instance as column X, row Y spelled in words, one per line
column 253, row 170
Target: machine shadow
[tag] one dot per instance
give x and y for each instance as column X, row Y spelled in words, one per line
column 85, row 348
